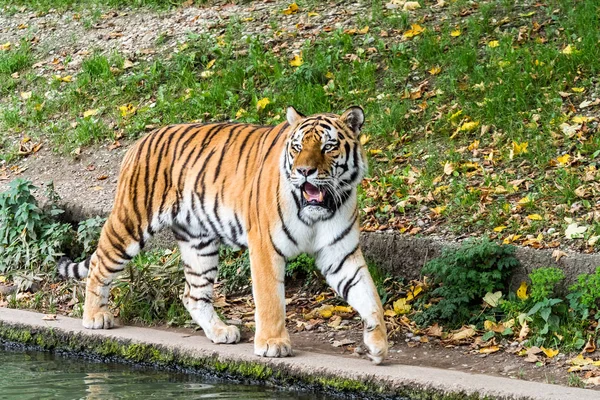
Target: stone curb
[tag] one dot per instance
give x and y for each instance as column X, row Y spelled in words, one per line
column 348, row 375
column 404, row 255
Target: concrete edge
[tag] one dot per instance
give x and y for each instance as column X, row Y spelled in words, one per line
column 404, row 255
column 322, row 372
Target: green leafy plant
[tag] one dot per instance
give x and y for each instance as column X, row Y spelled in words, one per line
column 150, row 289
column 461, row 278
column 544, row 281
column 30, row 237
column 584, row 296
column 88, row 233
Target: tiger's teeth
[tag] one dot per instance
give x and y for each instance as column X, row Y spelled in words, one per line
column 306, row 196
column 320, row 197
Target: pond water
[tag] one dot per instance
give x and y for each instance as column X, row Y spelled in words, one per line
column 37, row 375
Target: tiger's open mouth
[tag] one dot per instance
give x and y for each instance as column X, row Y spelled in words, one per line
column 313, row 195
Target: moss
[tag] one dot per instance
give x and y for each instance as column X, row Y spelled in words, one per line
column 54, row 339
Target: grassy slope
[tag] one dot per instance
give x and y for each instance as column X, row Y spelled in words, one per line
column 466, row 120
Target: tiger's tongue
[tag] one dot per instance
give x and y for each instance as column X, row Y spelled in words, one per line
column 312, row 192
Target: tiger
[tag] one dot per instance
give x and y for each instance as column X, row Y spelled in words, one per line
column 278, row 191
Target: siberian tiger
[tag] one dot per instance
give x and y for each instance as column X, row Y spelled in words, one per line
column 278, row 190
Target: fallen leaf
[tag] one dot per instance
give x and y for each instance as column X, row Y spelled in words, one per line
column 489, row 350
column 568, row 50
column 469, row 126
column 49, row 317
column 297, row 60
column 90, row 113
column 518, row 148
column 401, row 307
column 262, row 103
column 210, row 64
column 26, row 95
column 448, row 168
column 523, row 332
column 127, row 110
column 411, row 6
column 415, row 29
column 455, row 33
column 558, row 254
column 434, row 330
column 564, row 159
column 291, row 9
column 493, row 44
column 492, row 298
column 574, row 231
column 550, row 353
column 522, row 291
column 500, row 228
column 590, row 346
column 343, row 342
column 535, row 217
column 5, row 46
column 102, row 177
column 465, row 333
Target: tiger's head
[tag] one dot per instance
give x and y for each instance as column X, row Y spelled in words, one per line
column 324, row 160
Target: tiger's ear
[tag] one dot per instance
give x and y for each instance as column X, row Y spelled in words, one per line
column 354, row 117
column 293, row 116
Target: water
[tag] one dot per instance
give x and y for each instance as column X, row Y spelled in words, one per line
column 35, row 375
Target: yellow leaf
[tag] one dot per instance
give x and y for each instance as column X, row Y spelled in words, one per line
column 325, row 311
column 39, row 106
column 297, row 60
column 292, row 9
column 526, row 200
column 262, row 103
column 568, row 50
column 550, row 353
column 522, row 291
column 211, row 63
column 389, row 313
column 364, row 139
column 448, row 168
column 499, row 228
column 127, row 109
column 455, row 116
column 580, row 119
column 564, row 159
column 438, row 210
column 455, row 33
column 493, row 44
column 518, row 148
column 343, row 309
column 329, row 75
column 415, row 29
column 90, row 113
column 474, row 145
column 25, row 95
column 375, row 151
column 411, row 6
column 400, row 306
column 240, row 113
column 435, row 70
column 364, row 30
column 413, row 292
column 578, row 89
column 67, row 78
column 5, row 46
column 535, row 217
column 469, row 126
column 313, row 14
column 489, row 350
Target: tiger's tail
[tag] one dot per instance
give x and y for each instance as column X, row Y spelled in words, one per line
column 69, row 269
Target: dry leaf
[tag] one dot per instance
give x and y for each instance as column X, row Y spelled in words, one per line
column 523, row 332
column 448, row 168
column 49, row 317
column 489, row 350
column 558, row 254
column 297, row 60
column 292, row 9
column 465, row 333
column 415, row 29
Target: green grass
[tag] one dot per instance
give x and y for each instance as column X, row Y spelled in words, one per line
column 13, row 6
column 423, row 166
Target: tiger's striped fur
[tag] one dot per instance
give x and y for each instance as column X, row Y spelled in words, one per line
column 280, row 191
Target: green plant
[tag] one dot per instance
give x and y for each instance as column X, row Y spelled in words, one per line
column 234, row 270
column 30, row 237
column 544, row 281
column 584, row 296
column 150, row 290
column 461, row 278
column 88, row 233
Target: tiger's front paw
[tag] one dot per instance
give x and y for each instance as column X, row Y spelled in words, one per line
column 375, row 338
column 101, row 319
column 224, row 334
column 274, row 347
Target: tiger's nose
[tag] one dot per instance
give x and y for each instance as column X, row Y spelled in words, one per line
column 306, row 171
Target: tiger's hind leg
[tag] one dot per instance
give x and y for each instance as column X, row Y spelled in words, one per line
column 115, row 248
column 200, row 267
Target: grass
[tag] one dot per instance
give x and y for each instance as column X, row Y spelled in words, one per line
column 466, row 120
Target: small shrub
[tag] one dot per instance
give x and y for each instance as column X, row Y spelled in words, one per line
column 544, row 281
column 150, row 290
column 30, row 237
column 234, row 270
column 88, row 233
column 461, row 278
column 584, row 296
